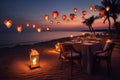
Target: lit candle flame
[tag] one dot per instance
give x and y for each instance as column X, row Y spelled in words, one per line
column 34, row 61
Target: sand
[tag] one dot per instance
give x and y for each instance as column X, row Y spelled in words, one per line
column 14, row 64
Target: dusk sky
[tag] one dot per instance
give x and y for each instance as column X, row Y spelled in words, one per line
column 33, row 11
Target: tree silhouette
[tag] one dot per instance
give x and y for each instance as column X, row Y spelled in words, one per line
column 113, row 12
column 89, row 23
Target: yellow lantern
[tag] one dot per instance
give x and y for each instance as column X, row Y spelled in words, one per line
column 38, row 29
column 46, row 17
column 91, row 8
column 8, row 23
column 71, row 36
column 34, row 59
column 51, row 21
column 107, row 8
column 19, row 28
column 58, row 22
column 57, row 47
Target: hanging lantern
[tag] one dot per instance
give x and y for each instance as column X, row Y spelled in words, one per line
column 27, row 24
column 71, row 36
column 51, row 21
column 38, row 29
column 84, row 12
column 46, row 17
column 19, row 28
column 34, row 59
column 102, row 12
column 95, row 9
column 33, row 25
column 8, row 23
column 91, row 8
column 57, row 47
column 103, row 17
column 107, row 8
column 55, row 14
column 72, row 16
column 64, row 17
column 75, row 10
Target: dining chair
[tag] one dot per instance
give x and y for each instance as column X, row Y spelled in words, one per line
column 105, row 54
column 68, row 53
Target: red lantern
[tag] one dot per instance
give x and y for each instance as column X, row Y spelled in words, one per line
column 27, row 24
column 107, row 8
column 72, row 16
column 8, row 23
column 19, row 28
column 33, row 25
column 75, row 10
column 84, row 12
column 46, row 17
column 55, row 14
column 102, row 12
column 64, row 17
column 58, row 22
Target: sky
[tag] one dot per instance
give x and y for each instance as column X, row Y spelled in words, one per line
column 33, row 11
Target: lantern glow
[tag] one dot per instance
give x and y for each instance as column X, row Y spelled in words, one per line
column 72, row 16
column 46, row 17
column 34, row 59
column 57, row 47
column 8, row 23
column 55, row 14
column 107, row 8
column 33, row 25
column 64, row 17
column 75, row 10
column 102, row 12
column 38, row 29
column 19, row 28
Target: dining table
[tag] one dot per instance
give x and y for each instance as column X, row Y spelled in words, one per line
column 87, row 49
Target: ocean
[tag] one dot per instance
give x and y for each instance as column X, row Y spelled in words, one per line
column 12, row 39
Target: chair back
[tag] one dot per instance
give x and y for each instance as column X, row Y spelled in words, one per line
column 65, row 47
column 109, row 48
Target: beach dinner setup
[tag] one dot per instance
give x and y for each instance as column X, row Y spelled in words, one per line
column 60, row 40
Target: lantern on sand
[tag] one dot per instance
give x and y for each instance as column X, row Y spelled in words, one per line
column 72, row 16
column 19, row 28
column 64, row 17
column 55, row 14
column 46, row 17
column 34, row 59
column 57, row 47
column 75, row 10
column 8, row 23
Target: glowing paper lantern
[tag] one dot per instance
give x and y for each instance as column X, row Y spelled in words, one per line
column 84, row 12
column 47, row 28
column 51, row 21
column 34, row 59
column 107, row 8
column 72, row 16
column 91, row 8
column 27, row 24
column 75, row 10
column 8, row 23
column 64, row 17
column 71, row 36
column 102, row 12
column 19, row 28
column 46, row 17
column 55, row 14
column 38, row 29
column 33, row 25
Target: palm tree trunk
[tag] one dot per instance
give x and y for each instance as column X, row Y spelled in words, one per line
column 93, row 32
column 109, row 27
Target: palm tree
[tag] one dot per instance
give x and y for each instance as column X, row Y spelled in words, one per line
column 89, row 23
column 112, row 9
column 116, row 26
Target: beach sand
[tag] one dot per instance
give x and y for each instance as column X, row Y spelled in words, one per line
column 15, row 61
